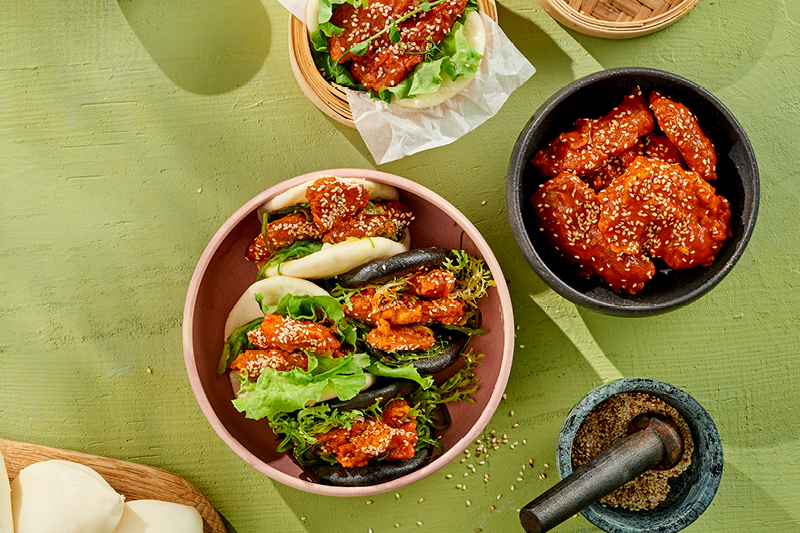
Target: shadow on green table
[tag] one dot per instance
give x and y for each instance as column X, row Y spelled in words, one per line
column 740, row 35
column 209, row 47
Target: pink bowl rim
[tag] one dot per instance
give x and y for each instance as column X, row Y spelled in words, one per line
column 439, row 461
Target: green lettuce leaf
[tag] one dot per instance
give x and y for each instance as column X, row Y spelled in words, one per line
column 235, row 344
column 407, row 371
column 336, row 72
column 455, row 57
column 282, row 392
column 326, row 8
column 304, row 307
column 427, row 78
column 464, row 59
column 296, row 250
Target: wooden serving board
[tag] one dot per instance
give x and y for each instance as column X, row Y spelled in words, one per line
column 132, row 480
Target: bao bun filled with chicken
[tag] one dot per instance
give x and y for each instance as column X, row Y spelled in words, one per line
column 279, row 325
column 420, row 306
column 329, row 226
column 347, row 416
column 413, row 54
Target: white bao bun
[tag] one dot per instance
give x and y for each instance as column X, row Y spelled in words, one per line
column 64, row 497
column 247, row 309
column 6, row 520
column 154, row 516
column 475, row 33
column 297, row 194
column 335, row 259
column 272, row 289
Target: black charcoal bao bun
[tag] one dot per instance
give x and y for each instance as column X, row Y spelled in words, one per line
column 383, row 391
column 455, row 341
column 384, row 269
column 327, row 474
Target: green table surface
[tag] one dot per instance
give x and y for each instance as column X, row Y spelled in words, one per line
column 131, row 130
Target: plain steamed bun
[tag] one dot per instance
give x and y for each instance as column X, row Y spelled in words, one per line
column 64, row 497
column 6, row 517
column 154, row 516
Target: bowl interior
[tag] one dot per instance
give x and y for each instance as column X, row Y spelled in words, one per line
column 690, row 493
column 223, row 275
column 591, row 97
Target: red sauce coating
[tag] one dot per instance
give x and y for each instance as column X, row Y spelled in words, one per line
column 432, row 284
column 667, row 211
column 383, row 219
column 289, row 229
column 604, row 175
column 368, row 307
column 257, row 250
column 333, row 201
column 396, row 338
column 288, row 334
column 593, row 142
column 443, row 311
column 681, row 127
column 386, row 63
column 359, row 25
column 659, row 147
column 394, row 434
column 569, row 212
column 253, row 362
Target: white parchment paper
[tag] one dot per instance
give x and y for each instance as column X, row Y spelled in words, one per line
column 296, row 8
column 392, row 132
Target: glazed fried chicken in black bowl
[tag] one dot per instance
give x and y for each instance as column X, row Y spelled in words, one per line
column 632, row 191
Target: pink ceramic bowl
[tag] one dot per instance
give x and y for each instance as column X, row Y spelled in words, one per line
column 223, row 274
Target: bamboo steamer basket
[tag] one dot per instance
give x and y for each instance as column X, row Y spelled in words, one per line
column 330, row 97
column 617, row 19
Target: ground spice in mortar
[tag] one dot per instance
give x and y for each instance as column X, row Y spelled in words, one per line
column 607, row 424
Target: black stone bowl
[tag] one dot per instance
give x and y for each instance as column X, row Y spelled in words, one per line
column 690, row 493
column 591, row 97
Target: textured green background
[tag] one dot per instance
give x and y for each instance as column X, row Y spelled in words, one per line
column 130, row 130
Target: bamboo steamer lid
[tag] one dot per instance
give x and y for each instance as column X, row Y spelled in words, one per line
column 330, row 97
column 617, row 19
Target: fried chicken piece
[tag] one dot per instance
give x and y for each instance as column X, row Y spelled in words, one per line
column 669, row 212
column 659, row 147
column 681, row 127
column 400, row 338
column 290, row 229
column 257, row 250
column 288, row 334
column 382, row 219
column 253, row 362
column 443, row 311
column 600, row 178
column 569, row 212
column 593, row 142
column 368, row 307
column 385, row 64
column 333, row 201
column 360, row 24
column 433, row 284
column 395, row 433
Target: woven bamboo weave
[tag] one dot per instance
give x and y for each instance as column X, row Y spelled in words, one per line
column 330, row 97
column 617, row 19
